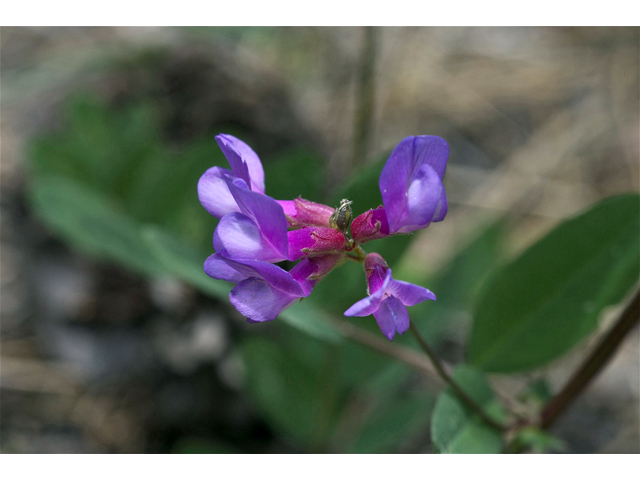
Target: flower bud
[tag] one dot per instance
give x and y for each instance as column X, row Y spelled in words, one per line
column 314, row 240
column 341, row 217
column 301, row 213
column 370, row 225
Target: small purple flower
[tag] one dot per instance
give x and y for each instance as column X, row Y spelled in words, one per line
column 388, row 298
column 411, row 183
column 213, row 192
column 257, row 232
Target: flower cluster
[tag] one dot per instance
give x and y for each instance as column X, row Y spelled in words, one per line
column 256, row 231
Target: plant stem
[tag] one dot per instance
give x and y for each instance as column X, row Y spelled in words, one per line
column 593, row 363
column 365, row 100
column 449, row 380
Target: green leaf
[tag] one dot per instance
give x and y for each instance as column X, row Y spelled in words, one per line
column 542, row 304
column 284, row 388
column 91, row 222
column 119, row 153
column 455, row 428
column 393, row 423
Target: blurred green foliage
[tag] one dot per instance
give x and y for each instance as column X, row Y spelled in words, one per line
column 120, row 155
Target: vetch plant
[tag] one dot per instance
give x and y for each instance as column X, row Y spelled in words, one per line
column 524, row 313
column 256, row 231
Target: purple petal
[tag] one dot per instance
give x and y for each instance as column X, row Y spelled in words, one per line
column 405, row 180
column 289, row 207
column 214, row 193
column 431, row 150
column 392, row 317
column 272, row 274
column 217, row 267
column 258, row 300
column 248, row 156
column 370, row 304
column 238, row 237
column 408, row 293
column 239, row 167
column 266, row 213
column 420, row 202
column 441, row 207
column 377, row 272
column 304, row 273
column 299, row 240
column 364, row 307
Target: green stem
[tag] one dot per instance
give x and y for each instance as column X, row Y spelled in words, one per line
column 452, row 383
column 360, row 253
column 365, row 100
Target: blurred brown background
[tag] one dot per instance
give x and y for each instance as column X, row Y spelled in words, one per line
column 542, row 122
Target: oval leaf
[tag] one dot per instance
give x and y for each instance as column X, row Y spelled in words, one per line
column 541, row 305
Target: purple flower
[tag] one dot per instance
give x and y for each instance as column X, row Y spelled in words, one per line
column 411, row 183
column 252, row 233
column 264, row 290
column 257, row 232
column 213, row 192
column 388, row 298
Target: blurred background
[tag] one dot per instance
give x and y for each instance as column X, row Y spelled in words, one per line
column 113, row 340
